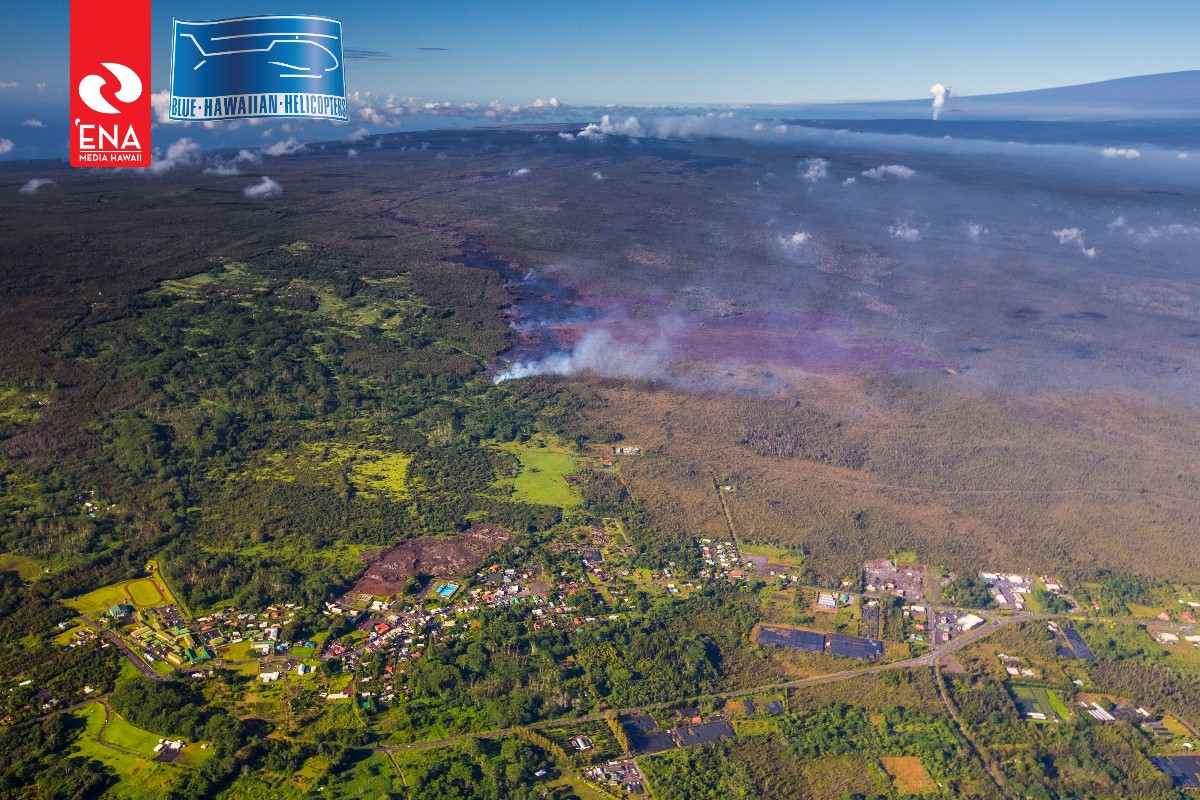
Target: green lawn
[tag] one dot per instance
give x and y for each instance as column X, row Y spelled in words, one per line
column 541, row 477
column 1058, row 705
column 126, row 735
column 578, row 786
column 140, row 778
column 140, row 592
column 776, row 555
column 145, row 592
column 1039, row 700
column 27, row 568
column 97, row 602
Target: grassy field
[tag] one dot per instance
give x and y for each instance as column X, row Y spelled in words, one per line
column 139, row 592
column 373, row 776
column 775, row 555
column 908, row 774
column 542, row 471
column 141, row 778
column 578, row 786
column 1036, row 700
column 145, row 593
column 27, row 568
column 384, row 474
column 99, row 601
column 1146, row 612
column 127, row 736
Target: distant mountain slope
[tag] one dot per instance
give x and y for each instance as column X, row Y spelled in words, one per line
column 1170, row 95
column 1169, row 92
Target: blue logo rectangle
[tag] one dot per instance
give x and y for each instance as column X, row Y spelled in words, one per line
column 276, row 66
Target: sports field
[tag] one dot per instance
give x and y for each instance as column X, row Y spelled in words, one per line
column 139, row 592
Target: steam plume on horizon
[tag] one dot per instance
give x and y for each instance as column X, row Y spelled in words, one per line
column 941, row 93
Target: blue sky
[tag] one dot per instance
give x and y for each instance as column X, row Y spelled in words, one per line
column 694, row 52
column 666, row 52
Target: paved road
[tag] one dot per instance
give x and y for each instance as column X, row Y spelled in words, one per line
column 133, row 657
column 928, row 660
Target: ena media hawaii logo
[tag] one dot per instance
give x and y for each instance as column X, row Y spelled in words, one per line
column 110, row 73
column 273, row 66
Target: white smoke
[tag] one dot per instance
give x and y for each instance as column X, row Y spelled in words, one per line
column 351, row 153
column 602, row 353
column 941, row 93
column 519, row 173
column 976, row 231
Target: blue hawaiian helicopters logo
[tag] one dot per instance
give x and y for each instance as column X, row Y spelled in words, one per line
column 275, row 66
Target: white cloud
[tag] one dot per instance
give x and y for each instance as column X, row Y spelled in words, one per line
column 358, row 135
column 815, row 169
column 598, row 175
column 391, row 111
column 33, row 123
column 1075, row 236
column 160, row 103
column 1067, row 235
column 1183, row 156
column 248, row 156
column 1151, row 233
column 895, row 170
column 850, row 181
column 264, row 188
column 904, row 231
column 1120, row 152
column 519, row 173
column 9, row 85
column 32, row 186
column 351, row 153
column 182, row 153
column 6, row 146
column 287, row 147
column 222, row 168
column 796, row 239
column 41, row 87
column 976, row 231
column 568, row 136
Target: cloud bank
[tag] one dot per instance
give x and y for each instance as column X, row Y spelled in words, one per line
column 263, row 189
